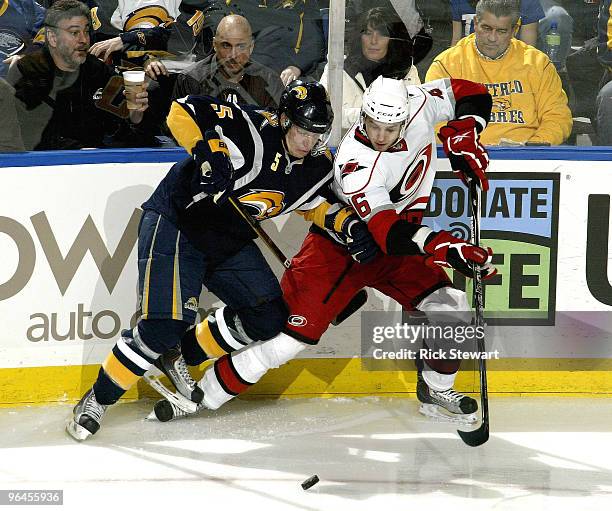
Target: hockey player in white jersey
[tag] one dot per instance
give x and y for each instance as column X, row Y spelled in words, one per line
column 384, row 171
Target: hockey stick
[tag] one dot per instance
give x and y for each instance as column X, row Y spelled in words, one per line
column 245, row 215
column 174, row 397
column 481, row 435
column 259, row 231
column 339, row 281
column 353, row 306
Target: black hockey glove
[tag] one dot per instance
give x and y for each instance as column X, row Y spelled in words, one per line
column 345, row 224
column 446, row 250
column 212, row 157
column 360, row 243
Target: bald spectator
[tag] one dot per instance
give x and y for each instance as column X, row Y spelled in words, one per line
column 228, row 73
column 288, row 33
column 529, row 105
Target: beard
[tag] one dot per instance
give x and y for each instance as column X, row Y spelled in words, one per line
column 73, row 57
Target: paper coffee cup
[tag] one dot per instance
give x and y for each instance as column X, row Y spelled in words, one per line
column 134, row 83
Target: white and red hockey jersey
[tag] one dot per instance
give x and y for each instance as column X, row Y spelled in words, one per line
column 401, row 178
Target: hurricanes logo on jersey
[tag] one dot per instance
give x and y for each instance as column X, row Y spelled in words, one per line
column 351, row 166
column 413, row 177
column 262, row 204
column 297, row 321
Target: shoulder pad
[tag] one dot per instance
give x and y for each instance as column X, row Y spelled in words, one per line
column 322, row 150
column 269, row 118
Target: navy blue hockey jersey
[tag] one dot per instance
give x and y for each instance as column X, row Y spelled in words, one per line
column 268, row 182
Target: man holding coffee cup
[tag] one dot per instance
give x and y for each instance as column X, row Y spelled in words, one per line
column 66, row 97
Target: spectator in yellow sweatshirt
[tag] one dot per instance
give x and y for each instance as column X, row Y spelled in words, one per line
column 529, row 104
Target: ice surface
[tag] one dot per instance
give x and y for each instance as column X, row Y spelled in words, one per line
column 370, row 454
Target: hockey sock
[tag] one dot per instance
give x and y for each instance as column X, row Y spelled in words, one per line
column 190, row 348
column 218, row 334
column 129, row 359
column 436, row 380
column 106, row 390
column 234, row 373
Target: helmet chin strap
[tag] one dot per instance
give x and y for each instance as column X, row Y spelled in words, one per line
column 399, row 136
column 286, row 124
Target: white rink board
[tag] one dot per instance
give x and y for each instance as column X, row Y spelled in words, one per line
column 111, row 192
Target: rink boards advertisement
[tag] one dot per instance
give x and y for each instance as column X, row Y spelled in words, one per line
column 68, row 282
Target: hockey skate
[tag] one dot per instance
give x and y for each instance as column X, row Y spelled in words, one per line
column 173, row 365
column 88, row 414
column 447, row 405
column 165, row 411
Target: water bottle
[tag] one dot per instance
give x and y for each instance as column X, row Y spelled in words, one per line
column 553, row 41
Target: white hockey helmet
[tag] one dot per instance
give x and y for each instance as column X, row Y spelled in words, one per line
column 386, row 101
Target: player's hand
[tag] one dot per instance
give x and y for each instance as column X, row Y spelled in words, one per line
column 343, row 222
column 467, row 156
column 450, row 252
column 359, row 242
column 212, row 157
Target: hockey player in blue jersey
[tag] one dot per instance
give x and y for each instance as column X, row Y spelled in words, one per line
column 274, row 162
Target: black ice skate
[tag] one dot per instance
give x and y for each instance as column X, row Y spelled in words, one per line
column 88, row 414
column 447, row 405
column 165, row 411
column 173, row 365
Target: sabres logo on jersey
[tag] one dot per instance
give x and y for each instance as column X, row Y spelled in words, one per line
column 300, row 92
column 351, row 166
column 412, row 178
column 262, row 204
column 269, row 118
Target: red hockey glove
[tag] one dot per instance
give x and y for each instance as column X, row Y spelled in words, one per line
column 467, row 156
column 212, row 157
column 446, row 250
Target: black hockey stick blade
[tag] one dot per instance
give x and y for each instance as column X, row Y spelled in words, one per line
column 477, row 437
column 353, row 306
column 481, row 435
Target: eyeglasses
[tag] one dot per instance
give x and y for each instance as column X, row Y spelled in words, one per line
column 74, row 32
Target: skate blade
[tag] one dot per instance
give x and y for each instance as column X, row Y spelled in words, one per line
column 440, row 415
column 174, row 397
column 76, row 431
column 152, row 417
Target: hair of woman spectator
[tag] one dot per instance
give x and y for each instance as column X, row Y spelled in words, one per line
column 398, row 59
column 499, row 9
column 65, row 9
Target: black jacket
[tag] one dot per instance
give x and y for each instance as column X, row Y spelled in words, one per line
column 76, row 121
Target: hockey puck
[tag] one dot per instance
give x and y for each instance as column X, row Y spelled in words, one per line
column 163, row 411
column 310, row 482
